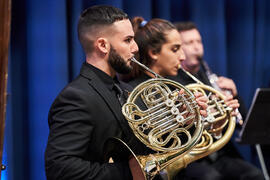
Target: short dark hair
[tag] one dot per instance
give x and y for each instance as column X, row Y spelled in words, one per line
column 185, row 26
column 94, row 17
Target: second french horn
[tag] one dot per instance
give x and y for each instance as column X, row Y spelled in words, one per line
column 219, row 126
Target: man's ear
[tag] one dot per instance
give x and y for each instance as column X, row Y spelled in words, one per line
column 153, row 54
column 102, row 44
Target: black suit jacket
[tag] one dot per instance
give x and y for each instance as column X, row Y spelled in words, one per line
column 81, row 119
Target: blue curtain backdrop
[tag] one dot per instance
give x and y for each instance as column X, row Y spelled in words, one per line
column 45, row 55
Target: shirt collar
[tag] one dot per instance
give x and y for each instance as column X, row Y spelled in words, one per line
column 105, row 78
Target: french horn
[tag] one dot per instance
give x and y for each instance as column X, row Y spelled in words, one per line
column 164, row 119
column 169, row 123
column 219, row 126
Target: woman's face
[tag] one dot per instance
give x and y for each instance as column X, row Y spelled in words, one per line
column 168, row 60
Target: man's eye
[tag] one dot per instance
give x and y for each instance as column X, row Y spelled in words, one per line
column 188, row 42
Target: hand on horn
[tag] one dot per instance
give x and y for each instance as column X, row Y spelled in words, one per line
column 227, row 84
column 232, row 103
column 202, row 102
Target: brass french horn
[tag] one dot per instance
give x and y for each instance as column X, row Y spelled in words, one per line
column 219, row 126
column 169, row 123
column 165, row 120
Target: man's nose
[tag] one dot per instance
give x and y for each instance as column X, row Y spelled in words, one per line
column 134, row 47
column 197, row 46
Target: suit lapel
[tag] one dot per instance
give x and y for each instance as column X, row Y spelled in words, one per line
column 103, row 91
column 106, row 95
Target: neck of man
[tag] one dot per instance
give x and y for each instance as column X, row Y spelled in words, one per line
column 192, row 69
column 101, row 64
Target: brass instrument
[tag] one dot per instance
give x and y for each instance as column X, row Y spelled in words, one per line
column 213, row 78
column 217, row 121
column 170, row 123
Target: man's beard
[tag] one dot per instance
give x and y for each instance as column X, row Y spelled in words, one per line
column 118, row 63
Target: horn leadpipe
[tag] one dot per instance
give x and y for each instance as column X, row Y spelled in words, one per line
column 145, row 67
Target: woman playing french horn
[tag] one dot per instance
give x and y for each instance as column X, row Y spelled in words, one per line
column 160, row 50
